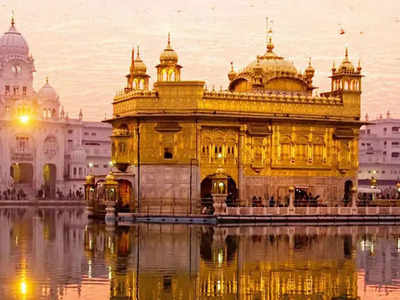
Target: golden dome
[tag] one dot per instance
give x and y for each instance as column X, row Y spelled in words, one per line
column 169, row 55
column 271, row 63
column 346, row 66
column 139, row 67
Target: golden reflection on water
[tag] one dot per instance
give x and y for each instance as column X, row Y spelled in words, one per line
column 55, row 254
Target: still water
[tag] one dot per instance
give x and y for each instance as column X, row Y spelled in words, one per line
column 55, row 253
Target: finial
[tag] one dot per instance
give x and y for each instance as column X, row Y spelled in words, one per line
column 270, row 46
column 388, row 114
column 366, row 117
column 347, row 54
column 47, row 79
column 138, row 55
column 309, row 61
column 12, row 18
column 359, row 65
column 133, row 53
column 232, row 66
column 169, row 40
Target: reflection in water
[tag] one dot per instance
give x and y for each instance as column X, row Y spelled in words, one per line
column 54, row 254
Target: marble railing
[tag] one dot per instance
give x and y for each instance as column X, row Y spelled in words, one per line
column 312, row 211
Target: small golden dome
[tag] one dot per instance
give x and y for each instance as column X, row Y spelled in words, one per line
column 169, row 55
column 310, row 70
column 139, row 67
column 232, row 74
column 90, row 179
column 110, row 179
column 346, row 66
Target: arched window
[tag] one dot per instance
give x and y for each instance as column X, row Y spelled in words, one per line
column 172, row 75
column 164, row 75
column 122, row 147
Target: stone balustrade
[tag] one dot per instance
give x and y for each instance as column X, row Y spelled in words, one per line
column 313, row 211
column 272, row 97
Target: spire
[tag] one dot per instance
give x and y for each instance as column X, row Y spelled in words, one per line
column 346, row 54
column 12, row 18
column 138, row 55
column 309, row 61
column 133, row 54
column 169, row 41
column 232, row 67
column 47, row 79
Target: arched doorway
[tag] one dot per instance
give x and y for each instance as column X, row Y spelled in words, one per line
column 125, row 203
column 348, row 185
column 205, row 192
column 49, row 179
column 21, row 172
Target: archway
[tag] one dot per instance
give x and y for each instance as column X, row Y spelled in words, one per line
column 125, row 203
column 348, row 185
column 49, row 179
column 205, row 192
column 21, row 172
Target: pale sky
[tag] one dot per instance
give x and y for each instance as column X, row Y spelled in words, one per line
column 84, row 45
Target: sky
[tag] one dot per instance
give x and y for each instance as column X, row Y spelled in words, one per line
column 84, row 46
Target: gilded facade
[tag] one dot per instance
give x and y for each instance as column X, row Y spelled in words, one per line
column 267, row 131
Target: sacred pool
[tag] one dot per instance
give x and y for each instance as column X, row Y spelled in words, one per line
column 57, row 253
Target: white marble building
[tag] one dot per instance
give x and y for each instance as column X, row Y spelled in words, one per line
column 40, row 145
column 379, row 152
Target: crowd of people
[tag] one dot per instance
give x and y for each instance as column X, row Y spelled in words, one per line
column 44, row 193
column 13, row 194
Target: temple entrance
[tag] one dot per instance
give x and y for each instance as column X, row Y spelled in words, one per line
column 125, row 203
column 21, row 172
column 348, row 185
column 49, row 179
column 205, row 192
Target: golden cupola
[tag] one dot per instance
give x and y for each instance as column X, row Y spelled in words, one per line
column 168, row 68
column 346, row 78
column 137, row 77
column 270, row 72
column 346, row 66
column 140, row 67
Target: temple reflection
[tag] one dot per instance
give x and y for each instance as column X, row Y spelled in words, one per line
column 200, row 262
column 56, row 254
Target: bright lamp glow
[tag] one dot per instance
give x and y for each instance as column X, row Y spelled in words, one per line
column 24, row 119
column 23, row 288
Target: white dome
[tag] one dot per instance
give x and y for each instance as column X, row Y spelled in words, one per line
column 13, row 43
column 47, row 92
column 78, row 156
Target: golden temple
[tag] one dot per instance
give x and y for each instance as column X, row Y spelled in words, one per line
column 266, row 132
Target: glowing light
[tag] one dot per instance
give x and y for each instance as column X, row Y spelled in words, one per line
column 219, row 155
column 90, row 165
column 111, row 163
column 23, row 288
column 24, row 119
